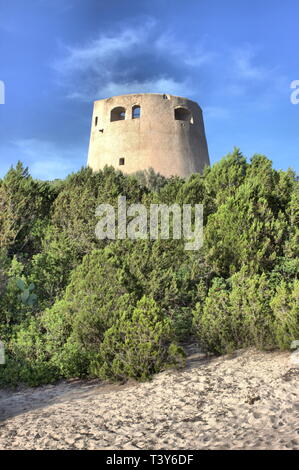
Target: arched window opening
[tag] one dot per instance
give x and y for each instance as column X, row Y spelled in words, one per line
column 136, row 112
column 183, row 114
column 118, row 114
column 96, row 121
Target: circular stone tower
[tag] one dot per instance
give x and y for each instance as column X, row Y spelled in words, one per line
column 149, row 130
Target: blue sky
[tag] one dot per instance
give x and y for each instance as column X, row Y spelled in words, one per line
column 236, row 58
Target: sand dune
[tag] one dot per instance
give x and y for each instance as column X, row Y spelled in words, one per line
column 249, row 400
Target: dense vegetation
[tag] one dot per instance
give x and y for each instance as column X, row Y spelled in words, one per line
column 74, row 306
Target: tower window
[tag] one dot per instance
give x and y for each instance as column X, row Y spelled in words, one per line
column 118, row 114
column 136, row 111
column 183, row 114
column 96, row 121
column 121, row 161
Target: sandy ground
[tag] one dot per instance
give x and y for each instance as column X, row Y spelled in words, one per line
column 249, row 400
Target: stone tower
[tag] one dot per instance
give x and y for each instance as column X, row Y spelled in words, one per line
column 149, row 130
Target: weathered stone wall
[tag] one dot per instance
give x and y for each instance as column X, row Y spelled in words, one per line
column 156, row 139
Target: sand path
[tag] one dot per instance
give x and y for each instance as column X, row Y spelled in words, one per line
column 249, row 400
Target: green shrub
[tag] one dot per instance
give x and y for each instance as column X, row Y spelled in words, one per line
column 50, row 269
column 138, row 346
column 285, row 305
column 239, row 290
column 212, row 319
column 25, row 205
column 164, row 271
column 14, row 309
column 27, row 360
column 250, row 313
column 75, row 326
column 236, row 314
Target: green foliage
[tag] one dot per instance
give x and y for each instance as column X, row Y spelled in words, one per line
column 25, row 205
column 150, row 179
column 251, row 316
column 17, row 301
column 50, row 269
column 4, row 266
column 212, row 320
column 74, row 209
column 285, row 305
column 27, row 359
column 74, row 327
column 222, row 180
column 236, row 314
column 74, row 306
column 244, row 231
column 292, row 212
column 164, row 271
column 137, row 345
column 27, row 296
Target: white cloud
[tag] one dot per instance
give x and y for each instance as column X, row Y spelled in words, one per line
column 195, row 56
column 161, row 85
column 119, row 63
column 101, row 53
column 96, row 52
column 244, row 66
column 145, row 59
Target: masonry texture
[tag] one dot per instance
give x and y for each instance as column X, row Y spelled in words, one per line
column 142, row 131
